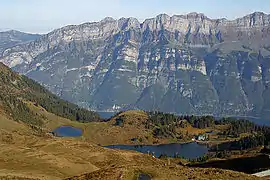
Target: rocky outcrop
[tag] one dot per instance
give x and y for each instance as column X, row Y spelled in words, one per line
column 188, row 64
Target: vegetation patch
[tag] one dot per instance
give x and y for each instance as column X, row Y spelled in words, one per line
column 15, row 90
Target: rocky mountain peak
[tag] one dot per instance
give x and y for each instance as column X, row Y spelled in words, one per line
column 128, row 23
column 162, row 17
column 256, row 19
column 11, row 32
column 108, row 19
column 182, row 23
column 192, row 22
column 195, row 15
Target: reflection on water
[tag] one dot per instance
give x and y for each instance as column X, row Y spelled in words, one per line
column 67, row 131
column 106, row 115
column 189, row 150
column 143, row 176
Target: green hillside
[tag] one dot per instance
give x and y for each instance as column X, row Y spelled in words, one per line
column 16, row 90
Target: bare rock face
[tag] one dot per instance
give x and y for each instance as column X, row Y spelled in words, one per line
column 257, row 19
column 188, row 64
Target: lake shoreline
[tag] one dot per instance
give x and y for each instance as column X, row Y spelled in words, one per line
column 190, row 150
column 67, row 131
column 148, row 144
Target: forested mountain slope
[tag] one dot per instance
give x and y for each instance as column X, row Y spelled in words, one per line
column 17, row 90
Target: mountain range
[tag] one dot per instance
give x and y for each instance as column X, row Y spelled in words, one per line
column 12, row 38
column 184, row 64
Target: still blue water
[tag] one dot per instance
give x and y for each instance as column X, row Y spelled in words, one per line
column 258, row 121
column 67, row 131
column 106, row 115
column 143, row 176
column 189, row 150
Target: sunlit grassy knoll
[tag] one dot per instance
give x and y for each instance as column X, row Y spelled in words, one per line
column 108, row 133
column 104, row 133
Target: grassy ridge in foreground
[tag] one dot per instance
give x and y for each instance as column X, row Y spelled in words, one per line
column 46, row 158
column 23, row 155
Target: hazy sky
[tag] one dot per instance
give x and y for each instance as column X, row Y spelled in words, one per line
column 41, row 16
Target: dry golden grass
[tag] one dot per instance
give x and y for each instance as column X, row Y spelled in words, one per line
column 59, row 158
column 103, row 133
column 25, row 156
column 106, row 133
column 159, row 172
column 192, row 131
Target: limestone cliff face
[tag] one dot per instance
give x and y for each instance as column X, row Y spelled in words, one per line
column 12, row 38
column 188, row 64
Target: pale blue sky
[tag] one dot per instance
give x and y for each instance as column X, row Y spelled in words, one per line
column 41, row 16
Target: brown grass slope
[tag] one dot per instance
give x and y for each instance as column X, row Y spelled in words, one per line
column 26, row 154
column 133, row 126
